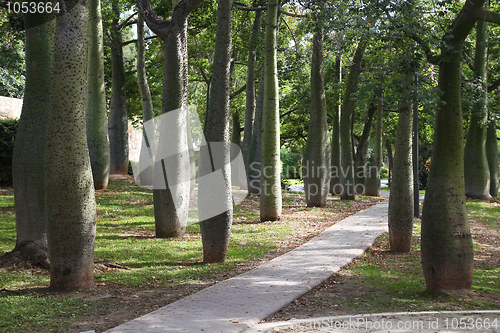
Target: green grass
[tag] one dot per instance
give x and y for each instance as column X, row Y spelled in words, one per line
column 486, row 212
column 125, row 232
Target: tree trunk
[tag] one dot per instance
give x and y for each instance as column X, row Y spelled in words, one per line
column 250, row 87
column 118, row 117
column 146, row 175
column 492, row 154
column 254, row 156
column 390, row 157
column 346, row 117
column 97, row 117
column 69, row 189
column 216, row 230
column 415, row 148
column 362, row 150
column 447, row 252
column 29, row 148
column 401, row 195
column 270, row 194
column 335, row 184
column 476, row 169
column 171, row 202
column 317, row 153
column 372, row 184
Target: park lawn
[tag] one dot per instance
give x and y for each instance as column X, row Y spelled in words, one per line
column 135, row 272
column 380, row 281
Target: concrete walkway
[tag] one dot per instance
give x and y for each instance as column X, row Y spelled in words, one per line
column 241, row 302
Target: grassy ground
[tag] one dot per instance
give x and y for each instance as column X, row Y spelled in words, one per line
column 135, row 272
column 381, row 281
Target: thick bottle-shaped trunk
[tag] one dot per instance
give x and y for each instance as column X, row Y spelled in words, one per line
column 69, row 189
column 447, row 254
column 476, row 170
column 270, row 181
column 348, row 105
column 335, row 185
column 362, row 151
column 118, row 118
column 97, row 118
column 29, row 149
column 171, row 203
column 372, row 183
column 316, row 164
column 250, row 87
column 401, row 196
column 216, row 230
column 492, row 154
column 254, row 156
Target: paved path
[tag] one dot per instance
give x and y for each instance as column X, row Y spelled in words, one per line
column 238, row 303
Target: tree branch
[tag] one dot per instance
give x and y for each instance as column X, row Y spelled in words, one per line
column 160, row 27
column 183, row 9
column 127, row 21
column 494, row 85
column 291, row 14
column 237, row 92
column 488, row 15
column 135, row 40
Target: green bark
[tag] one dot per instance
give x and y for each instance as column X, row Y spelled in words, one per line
column 215, row 231
column 349, row 103
column 270, row 194
column 250, row 86
column 476, row 169
column 335, row 183
column 97, row 118
column 492, row 154
column 29, row 149
column 317, row 150
column 447, row 252
column 401, row 196
column 372, row 183
column 69, row 188
column 118, row 117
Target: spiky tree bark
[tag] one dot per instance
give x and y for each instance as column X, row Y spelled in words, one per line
column 171, row 213
column 270, row 181
column 317, row 152
column 118, row 117
column 254, row 156
column 250, row 86
column 348, row 104
column 216, row 230
column 29, row 148
column 97, row 118
column 362, row 150
column 476, row 169
column 447, row 253
column 372, row 184
column 492, row 154
column 401, row 195
column 69, row 189
column 335, row 186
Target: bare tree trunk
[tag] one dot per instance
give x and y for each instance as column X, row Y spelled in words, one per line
column 335, row 184
column 97, row 115
column 254, row 156
column 362, row 150
column 492, row 153
column 69, row 189
column 29, row 148
column 216, row 230
column 270, row 194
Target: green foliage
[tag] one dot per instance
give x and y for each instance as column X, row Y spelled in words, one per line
column 290, row 164
column 12, row 67
column 8, row 128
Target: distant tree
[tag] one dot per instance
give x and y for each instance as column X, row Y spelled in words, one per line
column 69, row 188
column 254, row 155
column 492, row 154
column 335, row 185
column 317, row 151
column 97, row 118
column 372, row 182
column 476, row 169
column 118, row 116
column 270, row 181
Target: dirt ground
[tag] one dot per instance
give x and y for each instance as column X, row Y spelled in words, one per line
column 345, row 293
